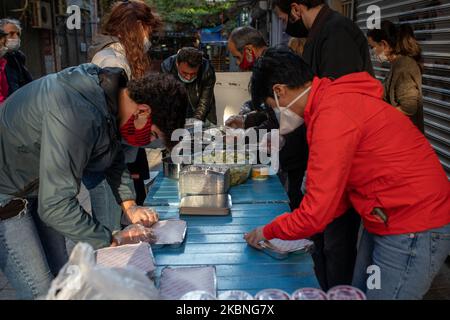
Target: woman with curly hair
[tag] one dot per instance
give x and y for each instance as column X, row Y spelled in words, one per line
column 126, row 38
column 124, row 43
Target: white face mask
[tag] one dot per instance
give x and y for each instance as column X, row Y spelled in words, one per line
column 147, row 45
column 289, row 120
column 13, row 44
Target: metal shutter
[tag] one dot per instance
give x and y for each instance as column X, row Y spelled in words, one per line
column 431, row 21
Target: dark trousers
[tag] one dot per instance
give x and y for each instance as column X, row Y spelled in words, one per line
column 294, row 183
column 141, row 194
column 335, row 251
column 140, row 167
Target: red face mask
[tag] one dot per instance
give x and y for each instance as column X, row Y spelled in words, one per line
column 137, row 137
column 246, row 64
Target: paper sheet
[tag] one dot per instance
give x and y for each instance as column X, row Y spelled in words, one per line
column 138, row 256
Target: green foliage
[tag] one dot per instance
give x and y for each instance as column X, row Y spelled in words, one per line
column 195, row 13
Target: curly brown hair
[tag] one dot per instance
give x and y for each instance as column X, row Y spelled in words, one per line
column 124, row 21
column 167, row 98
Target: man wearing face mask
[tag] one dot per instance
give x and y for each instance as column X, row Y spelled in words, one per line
column 247, row 44
column 358, row 147
column 294, row 26
column 335, row 47
column 75, row 123
column 198, row 75
column 16, row 71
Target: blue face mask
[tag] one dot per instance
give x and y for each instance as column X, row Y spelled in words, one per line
column 186, row 80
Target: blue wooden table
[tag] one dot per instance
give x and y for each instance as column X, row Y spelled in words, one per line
column 164, row 192
column 219, row 241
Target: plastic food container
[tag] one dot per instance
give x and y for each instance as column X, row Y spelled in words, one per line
column 272, row 294
column 260, row 172
column 235, row 295
column 198, row 295
column 309, row 294
column 345, row 293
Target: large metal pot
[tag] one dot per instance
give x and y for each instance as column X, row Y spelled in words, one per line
column 171, row 170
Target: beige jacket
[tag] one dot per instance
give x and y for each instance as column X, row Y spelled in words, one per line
column 108, row 52
column 403, row 89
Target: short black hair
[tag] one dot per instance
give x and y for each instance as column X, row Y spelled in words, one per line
column 190, row 55
column 285, row 5
column 278, row 66
column 388, row 33
column 244, row 36
column 167, row 98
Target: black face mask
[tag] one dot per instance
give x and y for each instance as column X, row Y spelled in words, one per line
column 297, row 29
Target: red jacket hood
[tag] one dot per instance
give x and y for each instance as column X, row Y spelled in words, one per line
column 358, row 83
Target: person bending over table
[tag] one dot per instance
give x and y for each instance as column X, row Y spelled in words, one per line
column 51, row 131
column 365, row 154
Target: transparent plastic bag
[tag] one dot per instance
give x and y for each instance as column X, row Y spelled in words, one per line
column 82, row 279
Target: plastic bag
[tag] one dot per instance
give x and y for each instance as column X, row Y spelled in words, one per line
column 82, row 279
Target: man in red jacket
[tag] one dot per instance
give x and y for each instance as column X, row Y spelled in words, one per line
column 362, row 154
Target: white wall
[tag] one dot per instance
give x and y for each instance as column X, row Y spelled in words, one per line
column 231, row 92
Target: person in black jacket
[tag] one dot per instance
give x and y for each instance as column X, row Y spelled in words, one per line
column 247, row 45
column 335, row 47
column 16, row 71
column 198, row 75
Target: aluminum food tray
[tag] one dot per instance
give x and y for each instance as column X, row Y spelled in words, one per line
column 280, row 249
column 176, row 282
column 204, row 180
column 209, row 205
column 171, row 225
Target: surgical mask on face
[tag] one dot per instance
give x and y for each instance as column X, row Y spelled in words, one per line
column 13, row 44
column 186, row 80
column 147, row 44
column 246, row 63
column 289, row 120
column 3, row 51
column 137, row 137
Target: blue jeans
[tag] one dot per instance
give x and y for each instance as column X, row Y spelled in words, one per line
column 408, row 263
column 104, row 205
column 31, row 254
